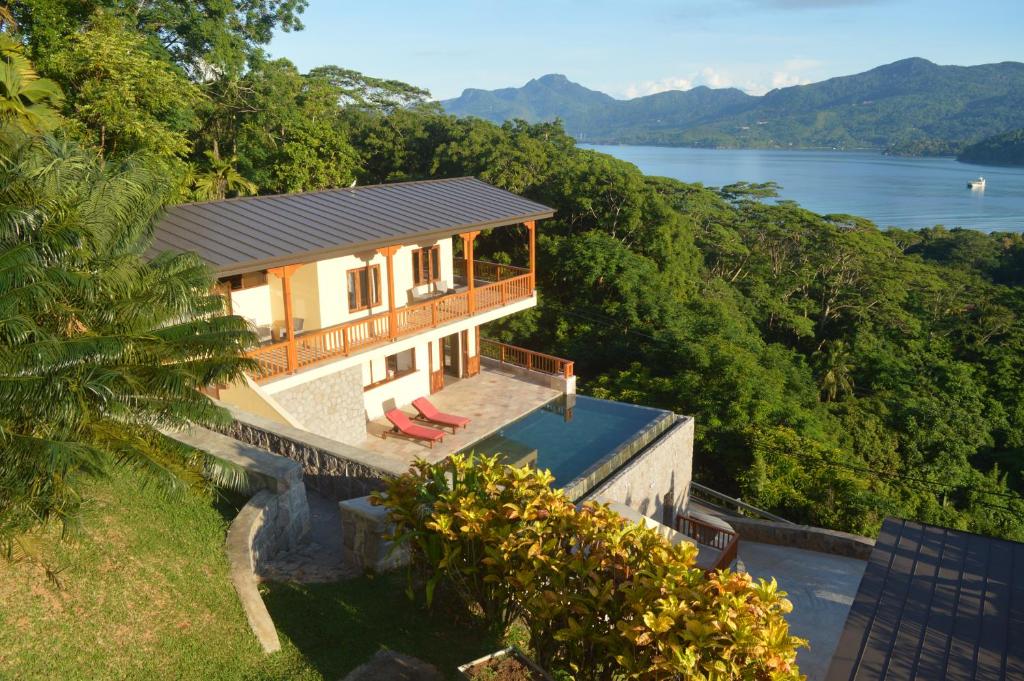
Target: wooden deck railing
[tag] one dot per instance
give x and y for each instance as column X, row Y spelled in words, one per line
column 528, row 359
column 726, row 541
column 488, row 271
column 342, row 340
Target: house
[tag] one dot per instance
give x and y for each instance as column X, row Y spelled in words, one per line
column 365, row 298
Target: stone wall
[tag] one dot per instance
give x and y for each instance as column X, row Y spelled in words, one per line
column 335, row 470
column 802, row 537
column 331, row 406
column 655, row 482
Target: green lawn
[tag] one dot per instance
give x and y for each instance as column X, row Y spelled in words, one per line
column 144, row 594
column 339, row 626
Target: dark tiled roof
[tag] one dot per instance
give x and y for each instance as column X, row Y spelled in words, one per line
column 935, row 605
column 243, row 234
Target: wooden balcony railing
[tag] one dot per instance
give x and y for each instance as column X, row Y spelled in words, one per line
column 528, row 359
column 488, row 271
column 725, row 541
column 343, row 340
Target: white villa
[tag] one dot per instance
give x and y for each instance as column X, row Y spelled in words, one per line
column 360, row 301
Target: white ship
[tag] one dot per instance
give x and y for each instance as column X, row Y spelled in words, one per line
column 976, row 184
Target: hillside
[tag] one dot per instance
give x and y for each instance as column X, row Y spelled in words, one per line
column 909, row 106
column 1006, row 149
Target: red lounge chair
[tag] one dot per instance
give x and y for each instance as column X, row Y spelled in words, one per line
column 428, row 412
column 403, row 426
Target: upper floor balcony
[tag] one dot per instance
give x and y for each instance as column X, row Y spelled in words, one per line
column 326, row 275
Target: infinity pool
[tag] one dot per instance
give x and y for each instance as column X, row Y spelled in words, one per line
column 579, row 442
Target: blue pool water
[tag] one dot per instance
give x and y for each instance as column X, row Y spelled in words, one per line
column 570, row 446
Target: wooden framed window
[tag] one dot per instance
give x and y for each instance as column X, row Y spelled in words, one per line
column 395, row 366
column 363, row 288
column 426, row 265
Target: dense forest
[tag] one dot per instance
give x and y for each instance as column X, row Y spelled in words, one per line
column 1001, row 150
column 838, row 373
column 909, row 107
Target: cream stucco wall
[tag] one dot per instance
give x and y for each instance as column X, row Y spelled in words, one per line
column 253, row 304
column 400, row 391
column 320, row 289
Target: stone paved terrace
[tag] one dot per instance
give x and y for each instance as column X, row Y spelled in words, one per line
column 491, row 399
column 821, row 587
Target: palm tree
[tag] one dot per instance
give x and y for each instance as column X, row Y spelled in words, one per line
column 27, row 102
column 101, row 350
column 836, row 370
column 221, row 179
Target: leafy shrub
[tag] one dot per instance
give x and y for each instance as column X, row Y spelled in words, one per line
column 601, row 597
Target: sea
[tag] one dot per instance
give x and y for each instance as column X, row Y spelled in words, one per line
column 889, row 190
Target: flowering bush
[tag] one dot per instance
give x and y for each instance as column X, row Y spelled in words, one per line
column 602, row 598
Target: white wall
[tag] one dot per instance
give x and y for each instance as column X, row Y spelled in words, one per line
column 399, row 392
column 253, row 304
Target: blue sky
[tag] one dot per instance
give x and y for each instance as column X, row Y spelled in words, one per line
column 629, row 48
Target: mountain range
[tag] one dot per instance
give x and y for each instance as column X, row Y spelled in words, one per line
column 911, row 106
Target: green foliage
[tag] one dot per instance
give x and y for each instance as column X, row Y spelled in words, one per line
column 600, row 596
column 201, row 37
column 100, row 349
column 128, row 100
column 1005, row 149
column 28, row 103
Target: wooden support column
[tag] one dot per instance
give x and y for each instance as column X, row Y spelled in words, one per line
column 285, row 275
column 531, row 227
column 389, row 253
column 467, row 252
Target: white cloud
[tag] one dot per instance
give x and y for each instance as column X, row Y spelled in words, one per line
column 790, row 72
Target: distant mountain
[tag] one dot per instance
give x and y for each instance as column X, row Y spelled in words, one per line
column 1006, row 149
column 909, row 106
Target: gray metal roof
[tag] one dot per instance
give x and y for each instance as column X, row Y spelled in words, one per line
column 244, row 234
column 935, row 605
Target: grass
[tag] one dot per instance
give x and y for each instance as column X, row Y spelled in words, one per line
column 143, row 593
column 340, row 626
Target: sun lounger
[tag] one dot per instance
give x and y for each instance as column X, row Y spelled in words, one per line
column 428, row 412
column 403, row 426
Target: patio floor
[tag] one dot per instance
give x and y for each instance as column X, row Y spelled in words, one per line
column 821, row 588
column 491, row 399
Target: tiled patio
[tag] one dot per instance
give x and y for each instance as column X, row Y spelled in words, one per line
column 821, row 588
column 490, row 399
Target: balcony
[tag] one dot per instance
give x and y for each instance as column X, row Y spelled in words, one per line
column 493, row 286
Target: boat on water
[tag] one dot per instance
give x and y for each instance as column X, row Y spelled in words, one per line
column 976, row 184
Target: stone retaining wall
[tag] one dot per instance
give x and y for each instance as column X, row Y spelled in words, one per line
column 802, row 537
column 335, row 470
column 655, row 482
column 247, row 545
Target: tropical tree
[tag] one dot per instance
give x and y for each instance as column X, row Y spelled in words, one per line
column 27, row 102
column 221, row 179
column 101, row 350
column 836, row 372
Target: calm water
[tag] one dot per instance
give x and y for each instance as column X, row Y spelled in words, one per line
column 567, row 448
column 905, row 192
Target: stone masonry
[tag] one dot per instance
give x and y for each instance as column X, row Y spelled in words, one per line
column 331, row 406
column 656, row 482
column 334, row 469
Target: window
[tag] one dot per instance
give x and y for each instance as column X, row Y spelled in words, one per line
column 395, row 366
column 238, row 282
column 363, row 288
column 426, row 265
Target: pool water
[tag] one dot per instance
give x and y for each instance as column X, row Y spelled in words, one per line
column 574, row 435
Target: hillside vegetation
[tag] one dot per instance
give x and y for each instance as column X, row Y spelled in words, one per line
column 1006, row 149
column 911, row 106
